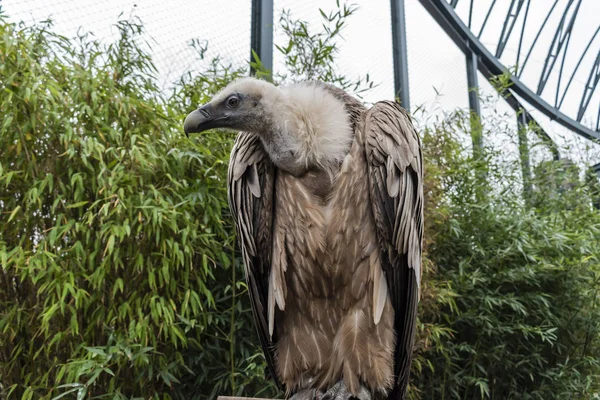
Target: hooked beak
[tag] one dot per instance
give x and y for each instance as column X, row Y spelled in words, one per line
column 200, row 120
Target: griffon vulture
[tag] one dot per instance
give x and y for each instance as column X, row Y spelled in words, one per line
column 328, row 203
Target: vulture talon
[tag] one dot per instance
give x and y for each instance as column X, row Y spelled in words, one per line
column 307, row 394
column 339, row 391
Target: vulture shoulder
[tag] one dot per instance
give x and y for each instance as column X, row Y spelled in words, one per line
column 395, row 173
column 250, row 180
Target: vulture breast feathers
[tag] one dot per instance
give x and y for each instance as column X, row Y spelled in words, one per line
column 336, row 272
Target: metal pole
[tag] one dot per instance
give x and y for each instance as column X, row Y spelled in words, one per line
column 261, row 40
column 473, row 86
column 524, row 153
column 596, row 186
column 401, row 87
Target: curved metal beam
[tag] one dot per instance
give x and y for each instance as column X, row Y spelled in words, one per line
column 487, row 16
column 470, row 12
column 561, row 38
column 521, row 37
column 577, row 67
column 537, row 36
column 590, row 87
column 490, row 67
column 509, row 24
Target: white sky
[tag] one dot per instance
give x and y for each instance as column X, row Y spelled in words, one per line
column 436, row 67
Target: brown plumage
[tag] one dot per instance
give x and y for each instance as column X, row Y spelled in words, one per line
column 327, row 199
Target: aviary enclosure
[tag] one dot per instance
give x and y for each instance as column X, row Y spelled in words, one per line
column 120, row 276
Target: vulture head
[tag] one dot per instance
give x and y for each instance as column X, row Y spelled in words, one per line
column 303, row 126
column 243, row 105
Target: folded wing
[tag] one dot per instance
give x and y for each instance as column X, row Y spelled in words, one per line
column 395, row 168
column 250, row 193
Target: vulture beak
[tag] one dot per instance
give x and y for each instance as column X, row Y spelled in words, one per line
column 201, row 119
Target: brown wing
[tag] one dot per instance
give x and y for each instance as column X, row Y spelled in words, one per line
column 395, row 166
column 250, row 193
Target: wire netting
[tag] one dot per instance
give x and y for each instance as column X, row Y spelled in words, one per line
column 436, row 67
column 169, row 27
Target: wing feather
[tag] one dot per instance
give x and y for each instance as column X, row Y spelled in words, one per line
column 395, row 167
column 250, row 193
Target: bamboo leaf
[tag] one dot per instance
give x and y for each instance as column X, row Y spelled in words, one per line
column 14, row 213
column 78, row 204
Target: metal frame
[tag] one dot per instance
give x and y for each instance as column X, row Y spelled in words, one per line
column 474, row 106
column 261, row 39
column 562, row 37
column 509, row 24
column 401, row 84
column 598, row 119
column 487, row 16
column 577, row 68
column 478, row 57
column 596, row 199
column 490, row 66
column 472, row 82
column 589, row 88
column 522, row 34
column 537, row 36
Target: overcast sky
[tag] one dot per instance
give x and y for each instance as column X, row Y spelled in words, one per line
column 436, row 67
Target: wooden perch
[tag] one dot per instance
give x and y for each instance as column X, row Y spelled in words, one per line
column 240, row 398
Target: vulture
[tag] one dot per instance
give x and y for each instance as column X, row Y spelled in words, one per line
column 327, row 199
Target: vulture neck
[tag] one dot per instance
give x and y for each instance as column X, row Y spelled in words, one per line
column 310, row 130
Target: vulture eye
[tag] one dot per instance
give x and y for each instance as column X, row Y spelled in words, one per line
column 233, row 102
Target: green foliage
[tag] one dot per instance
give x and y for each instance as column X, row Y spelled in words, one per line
column 116, row 250
column 117, row 266
column 310, row 55
column 510, row 299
